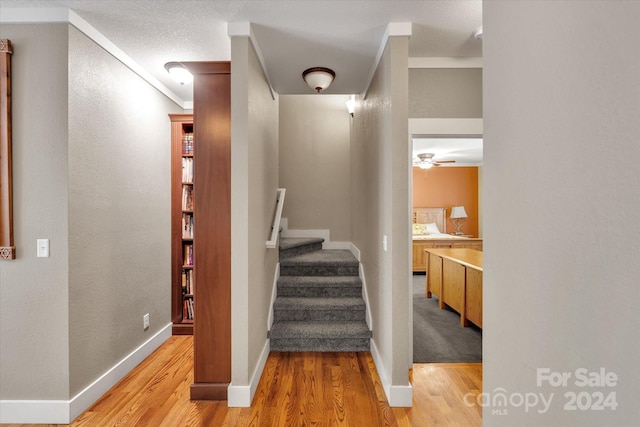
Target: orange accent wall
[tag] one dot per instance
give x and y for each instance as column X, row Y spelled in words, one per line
column 445, row 187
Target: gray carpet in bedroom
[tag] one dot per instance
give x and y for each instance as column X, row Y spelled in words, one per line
column 437, row 334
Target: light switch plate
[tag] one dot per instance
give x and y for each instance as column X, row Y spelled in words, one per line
column 43, row 248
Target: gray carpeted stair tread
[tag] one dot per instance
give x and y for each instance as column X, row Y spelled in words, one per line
column 319, row 305
column 340, row 257
column 320, row 330
column 290, row 243
column 321, row 344
column 307, row 303
column 320, row 281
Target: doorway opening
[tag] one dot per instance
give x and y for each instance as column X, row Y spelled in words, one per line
column 446, row 174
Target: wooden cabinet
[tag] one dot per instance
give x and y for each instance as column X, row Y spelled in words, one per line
column 455, row 276
column 419, row 245
column 182, row 224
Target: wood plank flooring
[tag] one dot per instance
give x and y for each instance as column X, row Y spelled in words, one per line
column 296, row 389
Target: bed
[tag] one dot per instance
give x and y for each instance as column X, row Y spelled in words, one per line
column 430, row 231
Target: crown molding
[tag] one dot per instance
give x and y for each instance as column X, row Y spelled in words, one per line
column 245, row 29
column 66, row 15
column 394, row 29
column 445, row 62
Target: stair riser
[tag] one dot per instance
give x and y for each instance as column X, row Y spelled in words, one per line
column 309, row 270
column 318, row 315
column 290, row 291
column 299, row 250
column 320, row 344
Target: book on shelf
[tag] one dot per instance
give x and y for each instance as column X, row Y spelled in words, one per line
column 188, row 282
column 187, row 225
column 187, row 169
column 187, row 143
column 187, row 254
column 187, row 308
column 187, row 197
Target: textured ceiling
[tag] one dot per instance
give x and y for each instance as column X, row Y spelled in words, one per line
column 292, row 35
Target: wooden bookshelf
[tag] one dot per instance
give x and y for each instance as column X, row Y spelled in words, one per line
column 211, row 238
column 182, row 224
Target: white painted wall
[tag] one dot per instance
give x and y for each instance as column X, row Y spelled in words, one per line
column 315, row 163
column 34, row 298
column 445, row 93
column 561, row 196
column 381, row 205
column 254, row 182
column 91, row 150
column 119, row 210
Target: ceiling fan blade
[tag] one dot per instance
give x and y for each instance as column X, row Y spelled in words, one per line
column 444, row 161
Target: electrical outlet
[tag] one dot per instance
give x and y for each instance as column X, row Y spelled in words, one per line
column 145, row 321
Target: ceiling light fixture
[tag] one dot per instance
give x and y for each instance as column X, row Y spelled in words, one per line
column 179, row 73
column 318, row 78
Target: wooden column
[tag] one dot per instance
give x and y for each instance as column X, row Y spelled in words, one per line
column 212, row 238
column 7, row 249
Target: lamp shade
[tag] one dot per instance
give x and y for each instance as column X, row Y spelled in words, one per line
column 458, row 212
column 351, row 105
column 318, row 78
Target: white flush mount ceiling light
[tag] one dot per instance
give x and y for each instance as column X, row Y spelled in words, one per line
column 318, row 78
column 179, row 73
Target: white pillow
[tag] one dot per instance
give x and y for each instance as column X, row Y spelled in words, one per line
column 432, row 228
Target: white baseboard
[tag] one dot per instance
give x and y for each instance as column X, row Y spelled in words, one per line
column 365, row 297
column 65, row 411
column 308, row 234
column 274, row 295
column 241, row 396
column 398, row 396
column 336, row 245
column 34, row 412
column 355, row 251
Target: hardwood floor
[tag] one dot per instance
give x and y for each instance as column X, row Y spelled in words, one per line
column 296, row 389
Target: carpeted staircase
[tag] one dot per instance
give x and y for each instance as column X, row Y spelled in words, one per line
column 319, row 305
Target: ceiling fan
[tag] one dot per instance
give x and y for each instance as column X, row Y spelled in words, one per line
column 425, row 161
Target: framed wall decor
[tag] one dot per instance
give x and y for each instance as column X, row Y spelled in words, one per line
column 7, row 249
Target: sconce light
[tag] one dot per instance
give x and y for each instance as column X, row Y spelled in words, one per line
column 351, row 105
column 458, row 215
column 318, row 78
column 179, row 73
column 477, row 34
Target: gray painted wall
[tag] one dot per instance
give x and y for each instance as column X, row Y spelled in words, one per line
column 561, row 269
column 445, row 93
column 119, row 210
column 315, row 163
column 381, row 205
column 91, row 173
column 254, row 159
column 34, row 325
